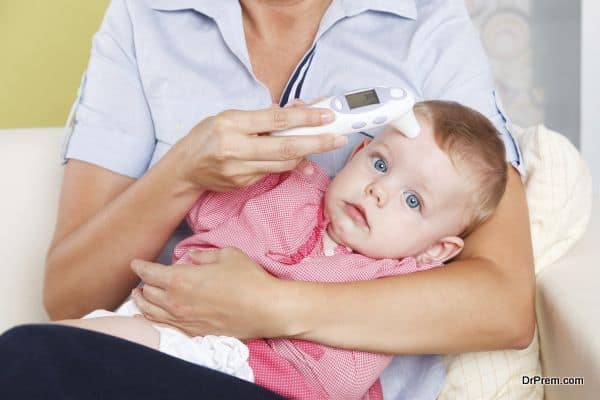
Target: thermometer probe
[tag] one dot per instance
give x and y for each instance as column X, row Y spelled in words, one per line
column 365, row 109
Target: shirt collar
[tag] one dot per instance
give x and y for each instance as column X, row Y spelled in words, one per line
column 210, row 8
column 401, row 8
column 213, row 8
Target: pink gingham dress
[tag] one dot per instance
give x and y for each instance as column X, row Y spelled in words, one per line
column 279, row 222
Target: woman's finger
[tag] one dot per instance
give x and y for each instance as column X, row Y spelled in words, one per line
column 151, row 311
column 295, row 103
column 265, row 167
column 318, row 99
column 302, row 103
column 272, row 119
column 285, row 148
column 250, row 168
column 249, row 172
column 152, row 273
column 155, row 295
column 200, row 257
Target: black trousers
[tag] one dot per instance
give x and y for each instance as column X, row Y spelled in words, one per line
column 61, row 362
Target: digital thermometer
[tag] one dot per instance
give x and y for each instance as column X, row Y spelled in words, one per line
column 365, row 109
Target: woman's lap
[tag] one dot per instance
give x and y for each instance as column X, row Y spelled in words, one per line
column 55, row 361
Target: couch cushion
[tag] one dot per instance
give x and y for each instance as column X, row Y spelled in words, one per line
column 558, row 186
column 568, row 319
column 31, row 177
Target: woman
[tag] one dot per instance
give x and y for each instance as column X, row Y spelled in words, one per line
column 158, row 67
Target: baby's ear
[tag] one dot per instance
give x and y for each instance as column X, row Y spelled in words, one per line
column 442, row 250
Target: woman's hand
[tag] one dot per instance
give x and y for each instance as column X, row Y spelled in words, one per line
column 228, row 150
column 228, row 295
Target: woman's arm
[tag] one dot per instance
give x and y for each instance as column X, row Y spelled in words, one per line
column 482, row 301
column 105, row 220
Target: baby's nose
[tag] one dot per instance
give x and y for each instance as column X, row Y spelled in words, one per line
column 378, row 193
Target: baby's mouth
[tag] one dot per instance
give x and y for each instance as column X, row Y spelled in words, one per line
column 357, row 213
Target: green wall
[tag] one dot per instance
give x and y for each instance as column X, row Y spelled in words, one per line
column 44, row 49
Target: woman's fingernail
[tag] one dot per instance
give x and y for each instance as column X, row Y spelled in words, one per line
column 134, row 265
column 340, row 141
column 326, row 117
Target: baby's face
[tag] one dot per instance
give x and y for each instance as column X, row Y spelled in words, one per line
column 396, row 197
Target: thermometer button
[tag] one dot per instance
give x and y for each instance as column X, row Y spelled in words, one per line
column 379, row 120
column 359, row 125
column 397, row 93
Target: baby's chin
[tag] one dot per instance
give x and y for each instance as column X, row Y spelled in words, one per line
column 362, row 246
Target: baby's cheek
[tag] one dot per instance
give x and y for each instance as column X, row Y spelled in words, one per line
column 417, row 245
column 393, row 243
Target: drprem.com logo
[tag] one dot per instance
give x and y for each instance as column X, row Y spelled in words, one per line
column 551, row 380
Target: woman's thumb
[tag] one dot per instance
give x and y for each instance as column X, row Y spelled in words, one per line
column 306, row 167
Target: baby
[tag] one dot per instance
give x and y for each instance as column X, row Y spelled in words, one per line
column 398, row 206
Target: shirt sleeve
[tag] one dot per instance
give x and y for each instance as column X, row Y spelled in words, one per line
column 458, row 69
column 110, row 124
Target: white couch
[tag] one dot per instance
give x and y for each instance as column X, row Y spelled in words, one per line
column 568, row 290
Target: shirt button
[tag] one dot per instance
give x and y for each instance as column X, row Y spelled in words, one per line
column 329, row 252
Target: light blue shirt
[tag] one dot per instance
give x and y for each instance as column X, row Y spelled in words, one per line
column 158, row 67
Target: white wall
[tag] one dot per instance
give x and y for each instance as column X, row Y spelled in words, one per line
column 590, row 88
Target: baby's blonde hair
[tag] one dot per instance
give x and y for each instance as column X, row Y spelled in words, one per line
column 474, row 147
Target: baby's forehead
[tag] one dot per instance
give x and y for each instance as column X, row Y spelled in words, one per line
column 394, row 139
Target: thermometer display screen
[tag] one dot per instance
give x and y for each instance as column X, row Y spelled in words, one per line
column 362, row 99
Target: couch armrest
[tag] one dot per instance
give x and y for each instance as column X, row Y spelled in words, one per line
column 31, row 173
column 568, row 297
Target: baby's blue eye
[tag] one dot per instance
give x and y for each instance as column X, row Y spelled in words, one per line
column 412, row 200
column 379, row 164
